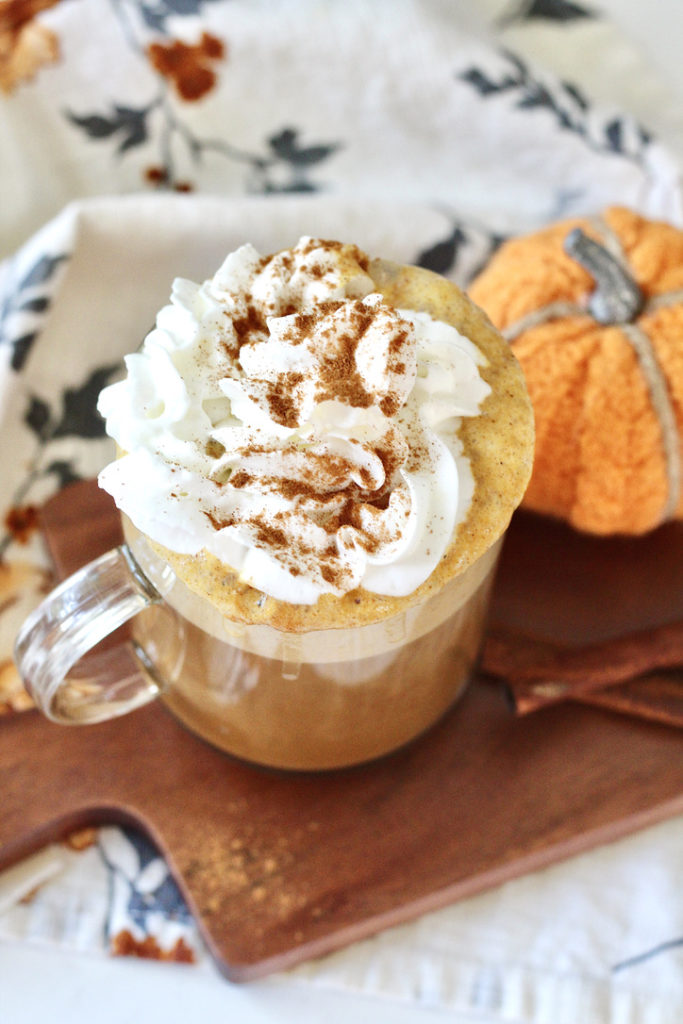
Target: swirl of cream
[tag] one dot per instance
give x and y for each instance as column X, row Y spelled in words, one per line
column 313, row 451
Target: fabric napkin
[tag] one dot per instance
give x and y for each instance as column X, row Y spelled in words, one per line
column 169, row 133
column 385, row 99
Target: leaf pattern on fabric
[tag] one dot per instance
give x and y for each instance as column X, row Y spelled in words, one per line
column 141, row 889
column 649, row 954
column 621, row 136
column 63, row 471
column 461, row 253
column 441, row 257
column 187, row 72
column 562, row 11
column 78, row 416
column 155, row 13
column 75, row 418
column 295, row 159
column 285, row 146
column 130, row 124
column 24, row 307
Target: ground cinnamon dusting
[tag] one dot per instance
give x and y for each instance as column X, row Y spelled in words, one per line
column 253, row 322
column 390, row 458
column 314, row 271
column 241, row 479
column 389, row 405
column 488, row 442
column 340, row 378
column 292, row 489
column 351, row 502
column 219, row 524
column 328, row 574
column 269, row 535
column 282, row 403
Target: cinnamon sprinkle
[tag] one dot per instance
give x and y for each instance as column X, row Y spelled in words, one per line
column 335, row 492
column 282, row 403
column 253, row 322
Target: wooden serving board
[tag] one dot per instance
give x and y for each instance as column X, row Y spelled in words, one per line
column 281, row 867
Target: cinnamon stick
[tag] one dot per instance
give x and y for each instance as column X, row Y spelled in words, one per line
column 539, row 673
column 657, row 697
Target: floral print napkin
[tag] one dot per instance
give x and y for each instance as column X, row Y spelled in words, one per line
column 144, row 139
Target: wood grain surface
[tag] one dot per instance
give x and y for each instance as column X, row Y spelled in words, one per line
column 282, row 867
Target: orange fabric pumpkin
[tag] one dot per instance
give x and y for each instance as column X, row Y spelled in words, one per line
column 607, row 396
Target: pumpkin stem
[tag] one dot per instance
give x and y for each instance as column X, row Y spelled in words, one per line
column 617, row 299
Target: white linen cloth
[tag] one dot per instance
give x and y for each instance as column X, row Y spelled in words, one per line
column 430, row 154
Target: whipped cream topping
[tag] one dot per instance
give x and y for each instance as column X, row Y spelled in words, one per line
column 285, row 418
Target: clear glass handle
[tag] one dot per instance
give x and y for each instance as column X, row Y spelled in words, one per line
column 76, row 657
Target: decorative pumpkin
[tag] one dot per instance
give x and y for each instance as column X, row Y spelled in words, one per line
column 593, row 310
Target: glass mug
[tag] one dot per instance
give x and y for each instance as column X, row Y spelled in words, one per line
column 124, row 630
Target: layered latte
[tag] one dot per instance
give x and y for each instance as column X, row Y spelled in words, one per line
column 321, row 452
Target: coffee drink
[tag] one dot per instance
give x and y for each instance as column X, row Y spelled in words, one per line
column 319, row 455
